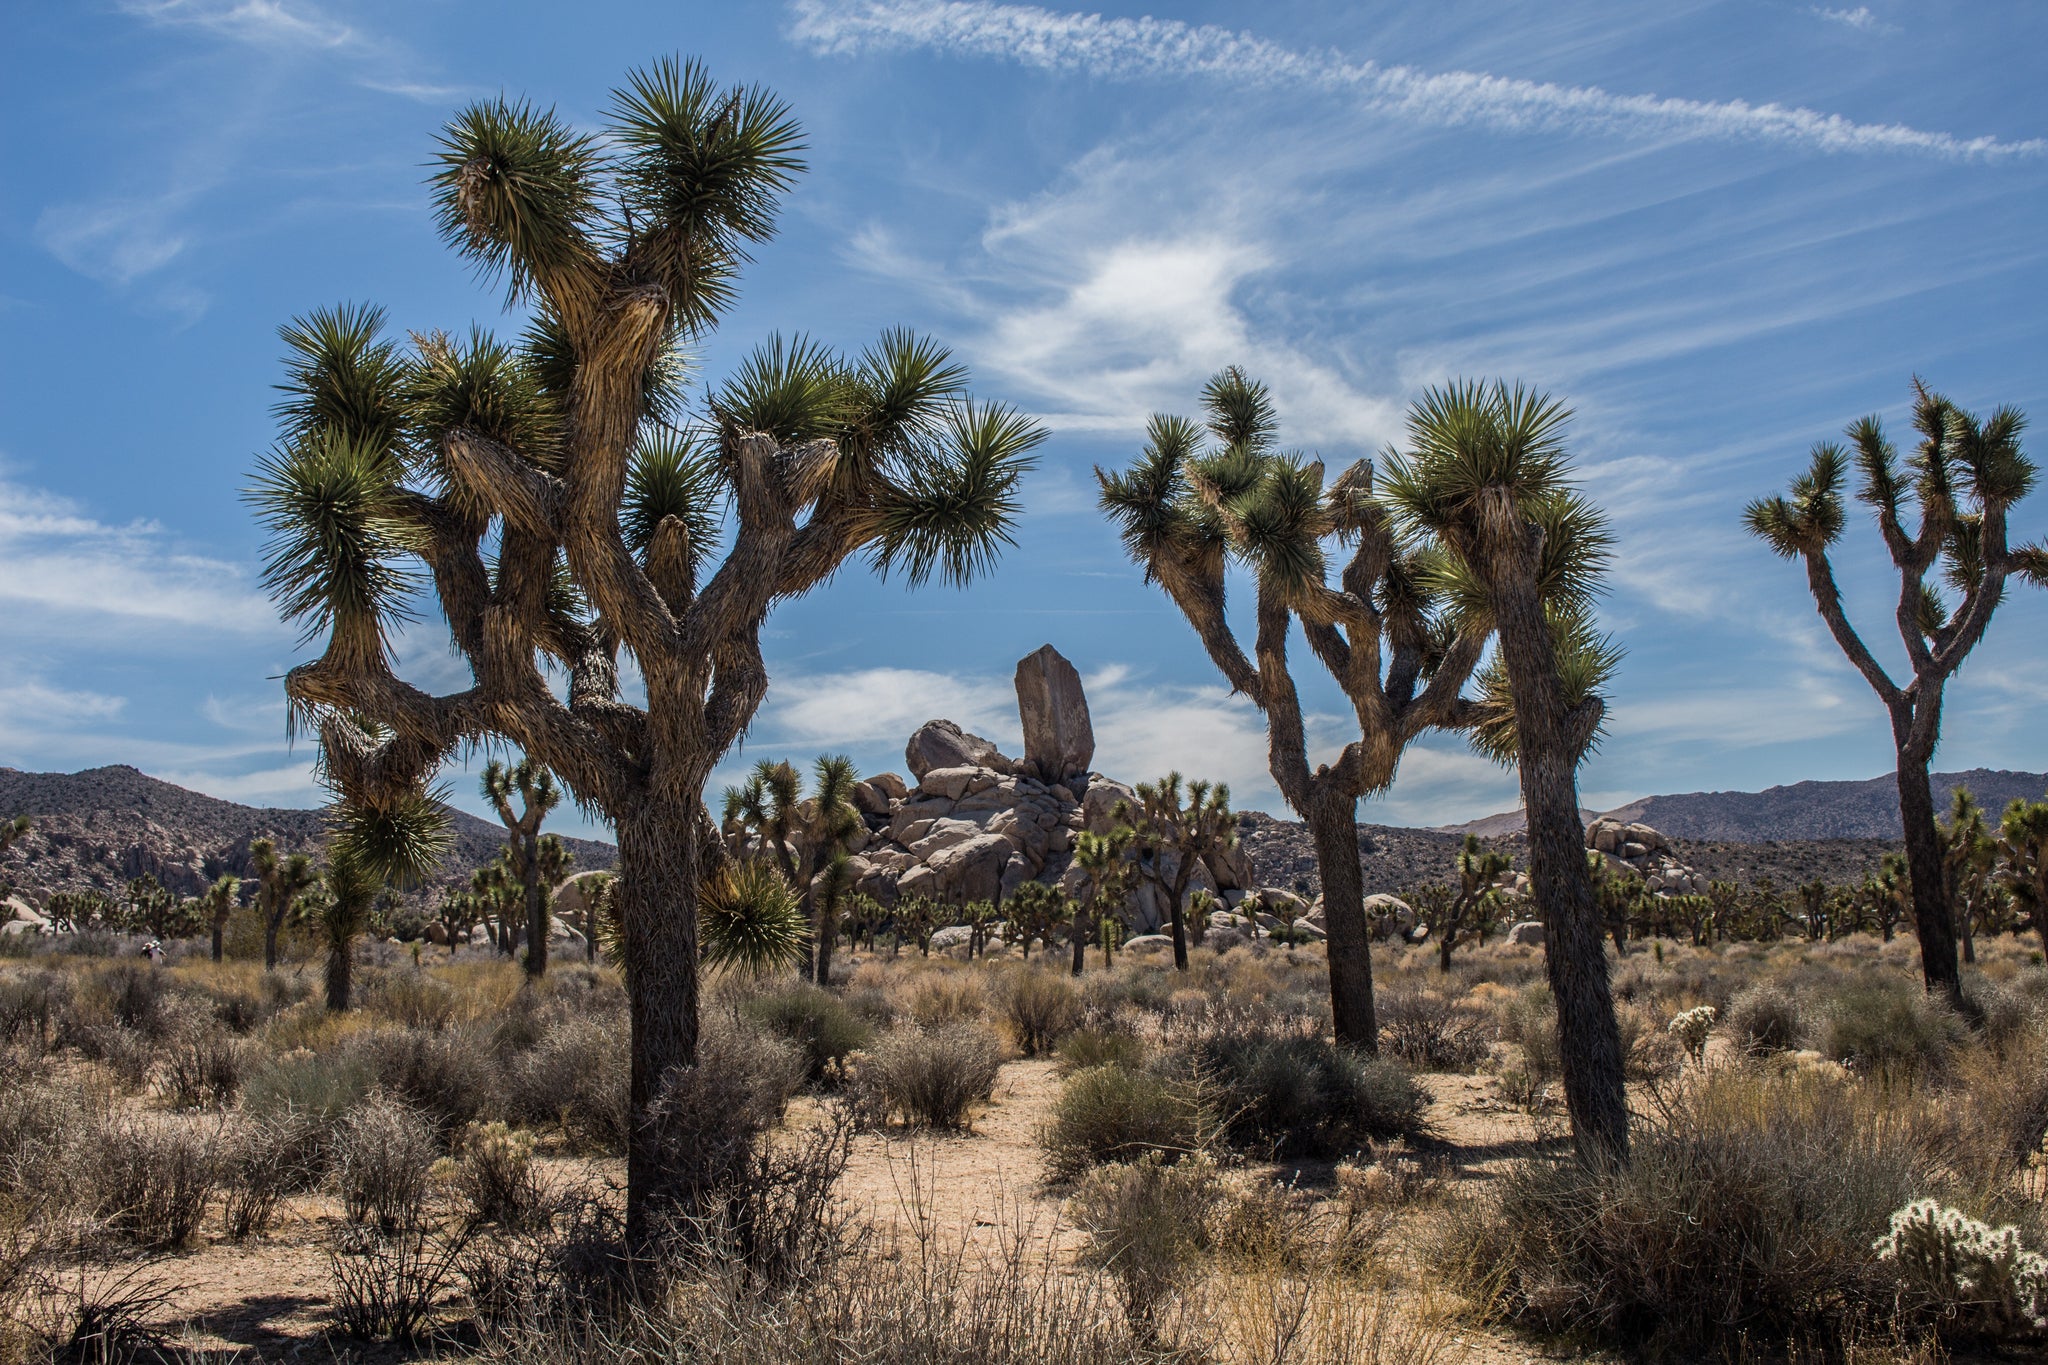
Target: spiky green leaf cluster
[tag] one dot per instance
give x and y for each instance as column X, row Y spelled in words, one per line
column 1586, row 663
column 749, row 918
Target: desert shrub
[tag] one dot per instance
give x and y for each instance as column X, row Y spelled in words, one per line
column 31, row 1003
column 1111, row 1113
column 1107, row 1046
column 1147, row 1223
column 44, row 1125
column 1748, row 1210
column 263, row 1159
column 818, row 1022
column 2006, row 1106
column 386, row 1286
column 128, row 993
column 1039, row 1006
column 492, row 1171
column 151, row 1180
column 124, row 1051
column 204, row 1069
column 1981, row 1279
column 2000, row 1015
column 578, row 1076
column 1648, row 1052
column 932, row 1078
column 443, row 1075
column 1765, row 1018
column 749, row 1202
column 1431, row 1032
column 942, row 998
column 1890, row 1029
column 1293, row 1093
column 322, row 1087
column 414, row 999
column 383, row 1153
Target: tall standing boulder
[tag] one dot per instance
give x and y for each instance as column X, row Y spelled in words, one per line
column 1059, row 741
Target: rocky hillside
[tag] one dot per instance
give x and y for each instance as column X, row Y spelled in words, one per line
column 97, row 829
column 1801, row 812
column 1395, row 859
column 1818, row 810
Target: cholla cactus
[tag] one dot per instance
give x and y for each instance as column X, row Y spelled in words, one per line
column 1967, row 1266
column 1691, row 1028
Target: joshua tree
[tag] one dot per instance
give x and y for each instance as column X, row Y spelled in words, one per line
column 534, row 860
column 281, row 879
column 368, row 849
column 1192, row 833
column 1485, row 482
column 1476, row 900
column 2023, row 861
column 1962, row 480
column 561, row 521
column 1107, row 876
column 154, row 910
column 12, row 831
column 217, row 904
column 1186, row 512
column 1969, row 863
column 459, row 912
column 807, row 836
column 1033, row 911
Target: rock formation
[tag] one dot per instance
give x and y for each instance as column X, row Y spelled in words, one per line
column 1646, row 852
column 974, row 824
column 1059, row 741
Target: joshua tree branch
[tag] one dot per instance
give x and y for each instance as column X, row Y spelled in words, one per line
column 1820, row 578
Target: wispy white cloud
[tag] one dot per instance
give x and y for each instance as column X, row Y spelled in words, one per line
column 65, row 574
column 1860, row 18
column 267, row 23
column 1125, row 48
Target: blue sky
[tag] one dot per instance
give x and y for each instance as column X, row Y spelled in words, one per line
column 1721, row 230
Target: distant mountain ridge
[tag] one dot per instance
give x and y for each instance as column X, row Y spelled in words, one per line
column 97, row 829
column 1801, row 810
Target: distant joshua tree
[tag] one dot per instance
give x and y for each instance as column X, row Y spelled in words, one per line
column 1108, row 876
column 1962, row 480
column 2023, row 861
column 1485, row 483
column 368, row 850
column 807, row 837
column 1475, row 902
column 281, row 880
column 561, row 520
column 217, row 904
column 1203, row 496
column 534, row 860
column 1192, row 831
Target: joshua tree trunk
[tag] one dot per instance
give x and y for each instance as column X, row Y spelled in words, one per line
column 340, row 975
column 270, row 927
column 659, row 864
column 1589, row 1039
column 1932, row 923
column 1333, row 826
column 219, row 937
column 536, row 930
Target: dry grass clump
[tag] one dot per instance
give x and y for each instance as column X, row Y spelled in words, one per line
column 1888, row 1028
column 1115, row 1113
column 1765, row 1018
column 1285, row 1091
column 819, row 1023
column 493, row 1175
column 383, row 1152
column 577, row 1076
column 1432, row 1031
column 1039, row 1005
column 151, row 1179
column 1748, row 1209
column 930, row 1078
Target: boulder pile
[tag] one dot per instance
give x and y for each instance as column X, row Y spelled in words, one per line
column 971, row 823
column 1646, row 852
